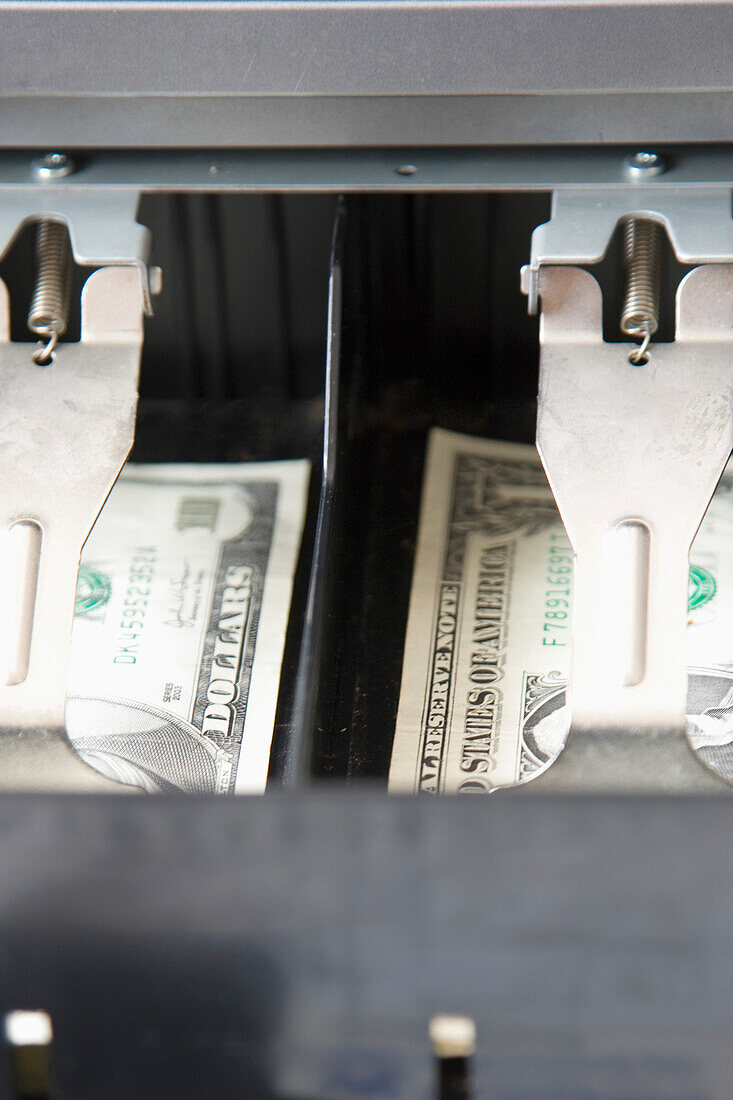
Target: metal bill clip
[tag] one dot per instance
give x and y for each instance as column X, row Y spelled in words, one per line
column 67, row 420
column 633, row 446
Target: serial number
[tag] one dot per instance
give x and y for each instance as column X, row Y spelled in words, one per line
column 556, row 617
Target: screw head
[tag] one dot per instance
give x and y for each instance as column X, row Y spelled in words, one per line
column 54, row 166
column 644, row 165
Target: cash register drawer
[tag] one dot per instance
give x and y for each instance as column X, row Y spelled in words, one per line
column 296, row 945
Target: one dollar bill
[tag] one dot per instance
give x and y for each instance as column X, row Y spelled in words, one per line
column 181, row 613
column 487, row 653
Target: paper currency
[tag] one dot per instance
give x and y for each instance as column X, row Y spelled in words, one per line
column 487, row 653
column 182, row 608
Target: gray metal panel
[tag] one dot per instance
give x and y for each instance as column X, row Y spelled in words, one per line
column 221, row 121
column 170, row 47
column 238, row 73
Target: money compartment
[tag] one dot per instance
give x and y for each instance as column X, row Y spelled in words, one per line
column 436, row 336
column 435, row 333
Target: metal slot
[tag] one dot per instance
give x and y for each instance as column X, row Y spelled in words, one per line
column 622, row 631
column 20, row 554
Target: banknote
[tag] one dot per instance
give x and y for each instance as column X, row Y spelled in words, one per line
column 181, row 612
column 487, row 653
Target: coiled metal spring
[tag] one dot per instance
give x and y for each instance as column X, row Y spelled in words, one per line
column 48, row 315
column 642, row 260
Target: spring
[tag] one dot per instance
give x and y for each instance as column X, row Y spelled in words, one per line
column 48, row 315
column 642, row 258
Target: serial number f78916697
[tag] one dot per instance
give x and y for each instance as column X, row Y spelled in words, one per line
column 558, row 580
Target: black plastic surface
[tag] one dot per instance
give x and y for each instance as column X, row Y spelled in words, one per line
column 295, row 946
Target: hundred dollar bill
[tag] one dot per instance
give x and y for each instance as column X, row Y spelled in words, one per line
column 181, row 611
column 487, row 653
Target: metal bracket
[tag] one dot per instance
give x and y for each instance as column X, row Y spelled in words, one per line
column 698, row 222
column 102, row 226
column 633, row 455
column 65, row 432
